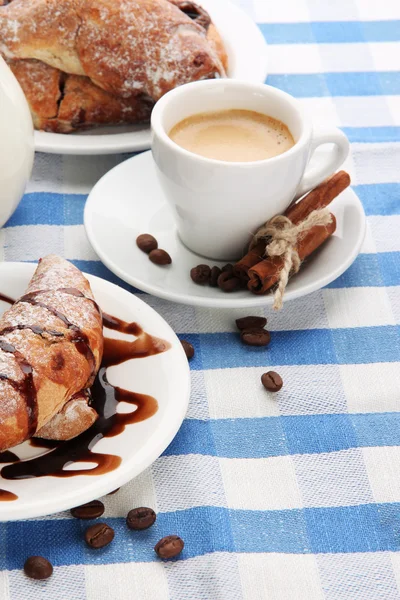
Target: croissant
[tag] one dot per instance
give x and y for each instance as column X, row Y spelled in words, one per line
column 126, row 47
column 51, row 346
column 63, row 103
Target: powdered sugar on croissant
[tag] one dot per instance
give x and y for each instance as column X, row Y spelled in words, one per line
column 124, row 46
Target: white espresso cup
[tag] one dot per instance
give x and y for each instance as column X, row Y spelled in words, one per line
column 219, row 204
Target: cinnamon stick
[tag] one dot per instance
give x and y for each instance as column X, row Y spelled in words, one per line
column 318, row 198
column 252, row 258
column 265, row 274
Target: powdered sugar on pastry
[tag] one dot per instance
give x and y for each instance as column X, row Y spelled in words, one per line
column 124, row 46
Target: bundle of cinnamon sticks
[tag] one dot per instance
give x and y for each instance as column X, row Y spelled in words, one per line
column 259, row 272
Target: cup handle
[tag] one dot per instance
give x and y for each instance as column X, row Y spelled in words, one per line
column 327, row 165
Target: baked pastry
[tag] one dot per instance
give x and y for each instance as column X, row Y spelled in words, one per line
column 126, row 47
column 75, row 417
column 51, row 346
column 63, row 103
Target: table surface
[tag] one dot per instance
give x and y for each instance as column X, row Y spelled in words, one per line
column 290, row 497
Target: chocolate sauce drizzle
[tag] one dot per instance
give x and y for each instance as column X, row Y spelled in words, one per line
column 105, row 400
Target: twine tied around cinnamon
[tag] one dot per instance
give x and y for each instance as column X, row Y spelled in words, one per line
column 281, row 238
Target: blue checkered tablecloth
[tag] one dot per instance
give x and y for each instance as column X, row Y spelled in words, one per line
column 291, row 497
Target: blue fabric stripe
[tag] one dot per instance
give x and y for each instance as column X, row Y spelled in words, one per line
column 380, row 198
column 332, row 32
column 363, row 528
column 285, row 435
column 372, row 135
column 358, row 345
column 45, row 208
column 338, row 84
column 371, row 270
column 97, row 268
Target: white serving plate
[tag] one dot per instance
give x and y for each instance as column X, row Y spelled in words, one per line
column 165, row 376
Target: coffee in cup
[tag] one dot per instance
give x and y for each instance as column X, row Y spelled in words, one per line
column 233, row 135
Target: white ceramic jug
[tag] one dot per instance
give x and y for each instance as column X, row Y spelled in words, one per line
column 16, row 143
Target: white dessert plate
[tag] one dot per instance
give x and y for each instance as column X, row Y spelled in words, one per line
column 165, row 376
column 129, row 201
column 247, row 54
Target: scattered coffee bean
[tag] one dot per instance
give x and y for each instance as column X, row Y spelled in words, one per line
column 146, row 242
column 140, row 518
column 272, row 381
column 200, row 274
column 188, row 348
column 114, row 492
column 251, row 323
column 169, row 546
column 255, row 337
column 160, row 257
column 215, row 273
column 90, row 510
column 228, row 283
column 37, row 567
column 99, row 535
column 228, row 268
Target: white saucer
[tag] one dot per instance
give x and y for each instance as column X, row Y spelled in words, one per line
column 165, row 376
column 247, row 56
column 128, row 201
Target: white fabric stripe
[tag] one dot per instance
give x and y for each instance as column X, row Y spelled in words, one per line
column 375, row 163
column 4, row 587
column 261, row 483
column 394, row 296
column 386, row 232
column 327, row 479
column 304, row 11
column 27, row 242
column 210, row 577
column 383, row 472
column 395, row 561
column 276, row 576
column 358, row 307
column 76, row 244
column 65, row 583
column 324, row 394
column 354, row 111
column 333, row 58
column 144, row 581
column 186, row 481
column 371, row 11
column 358, row 576
column 362, row 386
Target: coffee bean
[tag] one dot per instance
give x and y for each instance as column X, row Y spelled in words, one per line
column 228, row 283
column 215, row 273
column 272, row 381
column 188, row 348
column 113, row 492
column 255, row 337
column 160, row 257
column 169, row 546
column 90, row 510
column 99, row 535
column 228, row 268
column 37, row 567
column 146, row 242
column 140, row 518
column 200, row 274
column 251, row 323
